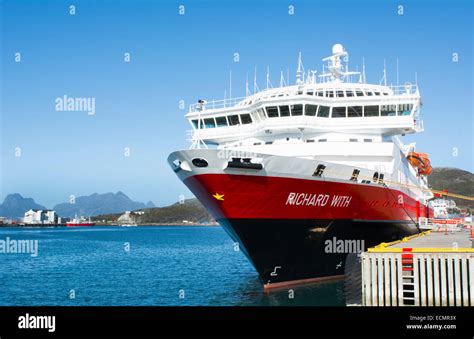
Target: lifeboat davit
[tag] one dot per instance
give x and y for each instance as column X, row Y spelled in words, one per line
column 421, row 162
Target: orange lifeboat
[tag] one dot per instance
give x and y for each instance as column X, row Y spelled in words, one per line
column 421, row 162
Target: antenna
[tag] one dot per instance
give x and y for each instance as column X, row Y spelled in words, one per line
column 363, row 70
column 269, row 84
column 397, row 73
column 282, row 79
column 255, row 81
column 288, row 76
column 416, row 78
column 230, row 85
column 384, row 73
column 299, row 71
column 247, row 91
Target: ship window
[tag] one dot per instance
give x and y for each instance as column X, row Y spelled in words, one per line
column 209, row 123
column 340, row 94
column 221, row 121
column 377, row 93
column 329, row 94
column 388, row 110
column 284, row 111
column 310, row 92
column 369, row 93
column 195, row 123
column 320, row 93
column 322, row 140
column 338, row 112
column 234, row 120
column 349, row 94
column 268, row 142
column 352, row 140
column 371, row 111
column 367, row 140
column 310, row 110
column 385, row 93
column 323, row 111
column 404, row 109
column 310, row 140
column 297, row 109
column 246, row 119
column 272, row 111
column 354, row 111
column 359, row 93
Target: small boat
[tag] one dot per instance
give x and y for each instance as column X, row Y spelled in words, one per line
column 129, row 225
column 80, row 222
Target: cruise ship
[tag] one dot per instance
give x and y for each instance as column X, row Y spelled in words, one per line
column 285, row 170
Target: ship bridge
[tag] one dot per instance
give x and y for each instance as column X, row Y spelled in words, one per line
column 310, row 108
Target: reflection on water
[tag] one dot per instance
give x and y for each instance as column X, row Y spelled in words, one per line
column 153, row 265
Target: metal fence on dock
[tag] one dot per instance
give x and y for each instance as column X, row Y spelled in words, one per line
column 411, row 278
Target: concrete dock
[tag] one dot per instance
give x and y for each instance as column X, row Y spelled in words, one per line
column 429, row 269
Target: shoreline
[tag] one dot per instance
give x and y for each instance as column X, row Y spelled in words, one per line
column 109, row 225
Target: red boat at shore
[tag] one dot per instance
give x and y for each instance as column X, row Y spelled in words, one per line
column 80, row 222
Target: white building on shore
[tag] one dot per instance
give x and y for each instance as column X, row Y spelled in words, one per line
column 47, row 217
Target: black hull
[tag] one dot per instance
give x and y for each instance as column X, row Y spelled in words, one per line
column 291, row 251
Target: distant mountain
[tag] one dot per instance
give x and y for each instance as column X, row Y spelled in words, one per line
column 191, row 211
column 150, row 204
column 96, row 204
column 15, row 206
column 454, row 180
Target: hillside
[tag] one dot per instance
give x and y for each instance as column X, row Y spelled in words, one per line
column 191, row 210
column 96, row 204
column 15, row 206
column 455, row 181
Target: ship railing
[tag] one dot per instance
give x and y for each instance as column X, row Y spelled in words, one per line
column 215, row 104
column 406, row 89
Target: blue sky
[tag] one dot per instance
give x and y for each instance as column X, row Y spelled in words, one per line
column 186, row 57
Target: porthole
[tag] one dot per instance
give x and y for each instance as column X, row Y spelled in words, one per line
column 199, row 162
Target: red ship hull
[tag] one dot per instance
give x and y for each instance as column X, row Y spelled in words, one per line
column 284, row 224
column 83, row 224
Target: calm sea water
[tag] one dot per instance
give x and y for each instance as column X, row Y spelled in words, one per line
column 152, row 265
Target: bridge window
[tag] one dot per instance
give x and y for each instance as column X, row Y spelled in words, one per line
column 297, row 109
column 195, row 123
column 377, row 93
column 371, row 111
column 340, row 94
column 310, row 110
column 330, row 94
column 272, row 111
column 369, row 93
column 323, row 111
column 284, row 111
column 234, row 120
column 339, row 112
column 354, row 111
column 349, row 93
column 388, row 110
column 405, row 109
column 359, row 93
column 246, row 119
column 320, row 93
column 209, row 123
column 221, row 121
column 310, row 92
